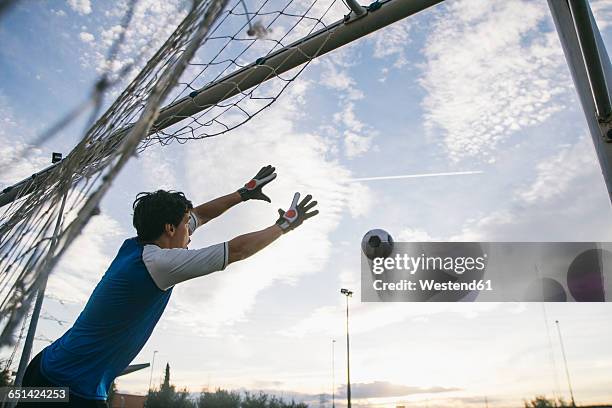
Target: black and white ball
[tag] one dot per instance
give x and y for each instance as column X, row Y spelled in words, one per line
column 377, row 243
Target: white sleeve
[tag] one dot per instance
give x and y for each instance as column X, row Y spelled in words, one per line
column 168, row 267
column 194, row 222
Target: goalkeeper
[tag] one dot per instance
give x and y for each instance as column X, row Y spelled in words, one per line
column 133, row 293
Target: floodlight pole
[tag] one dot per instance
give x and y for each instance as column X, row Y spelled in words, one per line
column 152, row 366
column 569, row 383
column 146, row 404
column 348, row 294
column 333, row 373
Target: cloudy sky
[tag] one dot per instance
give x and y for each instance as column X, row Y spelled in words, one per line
column 469, row 85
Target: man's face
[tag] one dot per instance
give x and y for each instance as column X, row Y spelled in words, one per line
column 181, row 239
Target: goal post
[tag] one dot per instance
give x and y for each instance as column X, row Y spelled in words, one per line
column 353, row 27
column 591, row 72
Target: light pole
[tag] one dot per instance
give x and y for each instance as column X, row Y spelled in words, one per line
column 569, row 383
column 152, row 365
column 333, row 374
column 348, row 294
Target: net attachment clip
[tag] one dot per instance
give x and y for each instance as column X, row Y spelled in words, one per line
column 606, row 128
column 374, row 6
column 357, row 11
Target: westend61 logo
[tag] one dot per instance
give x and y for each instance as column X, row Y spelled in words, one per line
column 412, row 264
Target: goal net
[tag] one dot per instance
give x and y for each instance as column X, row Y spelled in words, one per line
column 224, row 63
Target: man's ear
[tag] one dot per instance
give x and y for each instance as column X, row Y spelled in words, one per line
column 170, row 229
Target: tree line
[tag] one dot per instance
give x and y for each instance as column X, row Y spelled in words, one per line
column 169, row 397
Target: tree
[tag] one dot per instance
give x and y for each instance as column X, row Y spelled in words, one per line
column 182, row 399
column 166, row 384
column 540, row 401
column 167, row 396
column 252, row 401
column 232, row 399
column 219, row 399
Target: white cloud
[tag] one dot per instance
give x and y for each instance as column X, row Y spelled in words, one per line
column 602, row 11
column 359, row 200
column 413, row 235
column 151, row 24
column 392, row 41
column 19, row 170
column 110, row 34
column 567, row 198
column 326, row 12
column 158, row 168
column 555, row 175
column 356, row 145
column 358, row 137
column 348, row 118
column 335, row 75
column 80, row 6
column 11, row 148
column 335, row 78
column 84, row 263
column 86, row 37
column 490, row 71
column 13, row 172
column 370, row 317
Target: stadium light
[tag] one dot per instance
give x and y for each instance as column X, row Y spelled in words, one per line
column 152, row 366
column 569, row 382
column 348, row 294
column 333, row 373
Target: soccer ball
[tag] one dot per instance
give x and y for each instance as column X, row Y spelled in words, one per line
column 377, row 243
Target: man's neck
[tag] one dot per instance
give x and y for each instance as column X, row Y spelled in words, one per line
column 161, row 242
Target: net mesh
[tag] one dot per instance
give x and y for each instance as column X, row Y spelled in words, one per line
column 240, row 40
column 200, row 74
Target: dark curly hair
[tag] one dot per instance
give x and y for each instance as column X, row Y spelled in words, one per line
column 152, row 211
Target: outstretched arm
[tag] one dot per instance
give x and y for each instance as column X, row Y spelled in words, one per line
column 216, row 207
column 252, row 190
column 170, row 266
column 246, row 245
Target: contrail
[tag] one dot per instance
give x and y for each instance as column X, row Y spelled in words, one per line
column 405, row 176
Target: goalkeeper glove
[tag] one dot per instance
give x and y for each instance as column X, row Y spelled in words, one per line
column 252, row 189
column 297, row 213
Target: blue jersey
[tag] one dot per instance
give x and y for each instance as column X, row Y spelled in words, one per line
column 112, row 329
